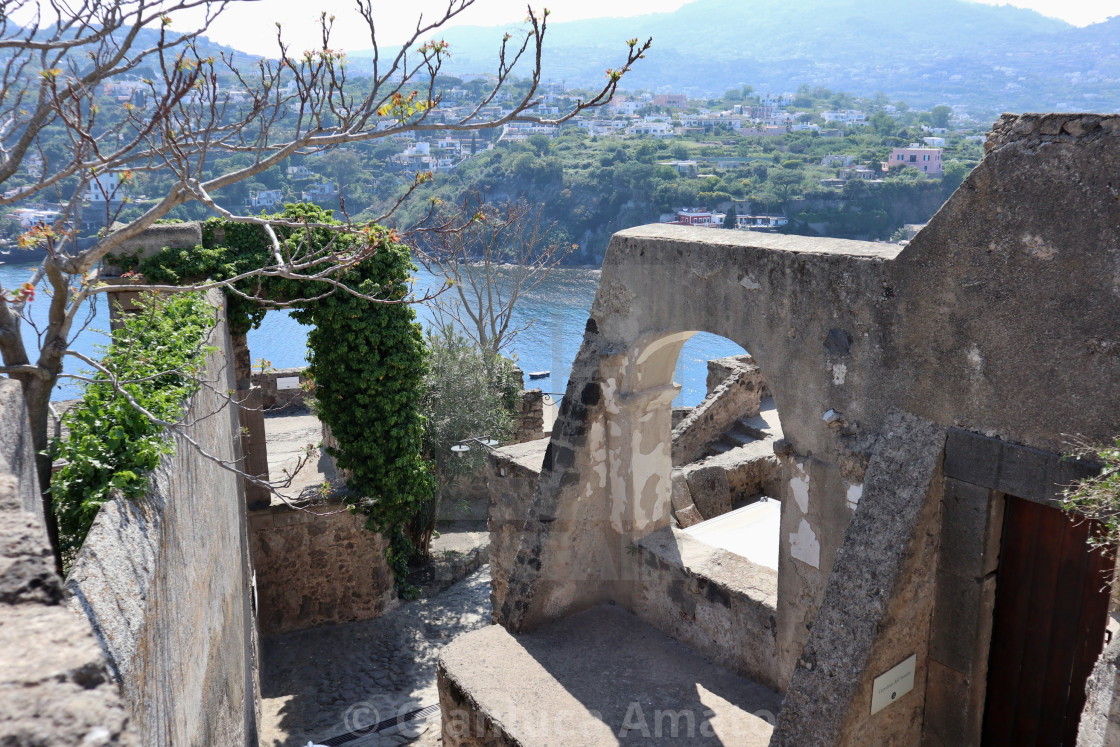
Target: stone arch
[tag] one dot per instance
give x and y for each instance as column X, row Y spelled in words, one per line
column 639, row 406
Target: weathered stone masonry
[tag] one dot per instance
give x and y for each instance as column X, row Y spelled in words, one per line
column 166, row 582
column 998, row 321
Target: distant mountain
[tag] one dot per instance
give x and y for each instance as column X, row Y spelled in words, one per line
column 925, row 52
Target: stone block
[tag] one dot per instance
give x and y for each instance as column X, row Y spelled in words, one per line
column 946, row 724
column 710, row 490
column 1027, row 473
column 971, row 525
column 953, row 635
column 548, row 687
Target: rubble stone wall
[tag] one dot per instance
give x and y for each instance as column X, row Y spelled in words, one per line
column 317, row 566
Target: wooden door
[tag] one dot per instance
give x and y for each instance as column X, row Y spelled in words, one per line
column 1050, row 614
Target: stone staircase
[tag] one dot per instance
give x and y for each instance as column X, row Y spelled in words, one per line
column 744, row 432
column 734, row 468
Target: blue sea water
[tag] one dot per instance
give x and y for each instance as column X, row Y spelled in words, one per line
column 555, row 312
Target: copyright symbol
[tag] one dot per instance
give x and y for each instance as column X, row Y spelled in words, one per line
column 361, row 716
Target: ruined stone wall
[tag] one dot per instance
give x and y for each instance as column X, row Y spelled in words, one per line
column 55, row 682
column 736, row 397
column 274, row 398
column 316, row 567
column 166, row 583
column 512, row 476
column 999, row 318
column 720, row 368
column 530, row 422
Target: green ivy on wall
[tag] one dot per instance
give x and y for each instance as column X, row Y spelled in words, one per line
column 367, row 359
column 157, row 356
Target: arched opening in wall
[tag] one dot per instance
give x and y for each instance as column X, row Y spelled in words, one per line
column 711, row 578
column 725, row 474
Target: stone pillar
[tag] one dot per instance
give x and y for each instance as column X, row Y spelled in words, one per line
column 120, row 300
column 639, row 428
column 254, row 447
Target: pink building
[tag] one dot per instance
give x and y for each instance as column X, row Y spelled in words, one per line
column 678, row 100
column 927, row 160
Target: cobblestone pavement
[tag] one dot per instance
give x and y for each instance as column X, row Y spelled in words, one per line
column 321, row 683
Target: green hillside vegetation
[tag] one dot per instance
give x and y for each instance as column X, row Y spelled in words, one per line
column 591, row 187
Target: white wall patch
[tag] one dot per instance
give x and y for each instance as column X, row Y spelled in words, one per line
column 804, row 546
column 287, row 382
column 855, row 492
column 839, row 371
column 799, row 485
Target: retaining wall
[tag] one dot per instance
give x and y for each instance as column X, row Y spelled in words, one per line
column 166, row 583
column 317, row 566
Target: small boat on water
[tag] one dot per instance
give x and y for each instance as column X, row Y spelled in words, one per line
column 539, row 374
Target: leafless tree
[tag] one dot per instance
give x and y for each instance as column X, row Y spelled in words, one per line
column 55, row 57
column 504, row 251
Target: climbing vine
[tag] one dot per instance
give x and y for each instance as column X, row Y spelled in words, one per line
column 367, row 359
column 156, row 357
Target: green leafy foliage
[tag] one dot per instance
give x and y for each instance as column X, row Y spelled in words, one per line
column 468, row 393
column 368, row 361
column 156, row 356
column 367, row 358
column 1098, row 497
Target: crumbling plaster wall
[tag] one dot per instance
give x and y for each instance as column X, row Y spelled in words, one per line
column 1000, row 317
column 166, row 582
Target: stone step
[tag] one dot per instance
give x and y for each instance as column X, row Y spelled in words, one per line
column 719, row 447
column 741, row 435
column 600, row 677
column 755, row 428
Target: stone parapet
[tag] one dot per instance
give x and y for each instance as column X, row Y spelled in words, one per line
column 530, row 424
column 735, row 398
column 720, row 368
column 166, row 583
column 56, row 688
column 1035, row 129
column 707, row 597
column 512, row 474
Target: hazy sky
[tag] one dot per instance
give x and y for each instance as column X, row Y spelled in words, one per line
column 249, row 26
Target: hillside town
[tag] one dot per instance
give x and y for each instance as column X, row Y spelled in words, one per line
column 705, row 140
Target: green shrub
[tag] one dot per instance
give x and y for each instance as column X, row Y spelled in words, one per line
column 367, row 359
column 157, row 355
